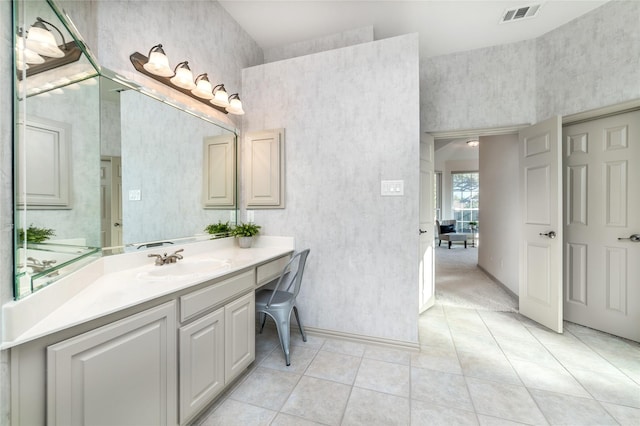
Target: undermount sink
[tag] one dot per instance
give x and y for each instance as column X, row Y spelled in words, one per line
column 184, row 269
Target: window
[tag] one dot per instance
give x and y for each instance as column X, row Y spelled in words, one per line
column 437, row 195
column 465, row 199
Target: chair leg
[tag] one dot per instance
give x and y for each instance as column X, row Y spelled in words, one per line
column 304, row 336
column 449, row 244
column 264, row 319
column 283, row 333
column 439, row 242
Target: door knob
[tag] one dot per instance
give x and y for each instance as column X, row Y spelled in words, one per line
column 549, row 234
column 634, row 238
column 422, row 232
column 116, row 224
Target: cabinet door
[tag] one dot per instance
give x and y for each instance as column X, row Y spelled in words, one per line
column 219, row 172
column 120, row 374
column 240, row 330
column 265, row 169
column 201, row 363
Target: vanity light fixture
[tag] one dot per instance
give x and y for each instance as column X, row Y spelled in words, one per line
column 183, row 77
column 235, row 105
column 220, row 96
column 473, row 142
column 42, row 41
column 158, row 62
column 203, row 88
column 39, row 51
column 156, row 66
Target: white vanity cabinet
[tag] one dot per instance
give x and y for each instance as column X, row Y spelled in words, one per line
column 216, row 347
column 120, row 374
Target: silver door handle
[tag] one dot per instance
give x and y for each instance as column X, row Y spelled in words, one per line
column 550, row 234
column 634, row 238
column 422, row 232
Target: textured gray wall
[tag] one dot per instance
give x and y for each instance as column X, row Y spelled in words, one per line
column 342, row 138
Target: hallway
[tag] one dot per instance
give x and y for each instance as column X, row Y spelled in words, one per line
column 475, row 367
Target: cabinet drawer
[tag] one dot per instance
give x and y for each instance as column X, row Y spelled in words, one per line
column 271, row 270
column 200, row 301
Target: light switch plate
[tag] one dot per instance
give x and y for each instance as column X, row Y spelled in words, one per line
column 250, row 216
column 135, row 195
column 392, row 188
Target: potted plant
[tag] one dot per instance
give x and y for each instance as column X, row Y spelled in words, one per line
column 35, row 234
column 245, row 232
column 473, row 225
column 218, row 230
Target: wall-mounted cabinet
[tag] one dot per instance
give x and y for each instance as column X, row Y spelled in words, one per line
column 44, row 178
column 219, row 172
column 264, row 170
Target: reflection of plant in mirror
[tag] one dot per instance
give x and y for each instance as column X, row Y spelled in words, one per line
column 218, row 228
column 35, row 234
column 246, row 230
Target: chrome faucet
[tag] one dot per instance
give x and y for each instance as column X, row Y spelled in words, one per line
column 164, row 259
column 39, row 266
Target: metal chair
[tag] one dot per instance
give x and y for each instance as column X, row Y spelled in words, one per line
column 279, row 302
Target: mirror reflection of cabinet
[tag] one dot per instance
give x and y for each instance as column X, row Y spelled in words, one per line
column 219, row 172
column 264, row 177
column 45, row 162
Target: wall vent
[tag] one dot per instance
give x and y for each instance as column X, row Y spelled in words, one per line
column 511, row 15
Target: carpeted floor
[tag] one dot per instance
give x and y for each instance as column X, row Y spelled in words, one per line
column 459, row 282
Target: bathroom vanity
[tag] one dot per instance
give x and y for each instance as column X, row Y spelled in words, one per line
column 123, row 341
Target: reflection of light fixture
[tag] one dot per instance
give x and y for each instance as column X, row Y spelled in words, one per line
column 183, row 77
column 203, row 88
column 42, row 41
column 235, row 105
column 473, row 142
column 39, row 52
column 220, row 96
column 158, row 62
column 157, row 67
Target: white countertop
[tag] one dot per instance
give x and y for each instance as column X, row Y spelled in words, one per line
column 114, row 283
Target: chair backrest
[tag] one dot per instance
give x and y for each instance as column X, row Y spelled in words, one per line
column 440, row 223
column 291, row 276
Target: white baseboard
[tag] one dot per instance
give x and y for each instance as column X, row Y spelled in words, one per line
column 497, row 281
column 356, row 338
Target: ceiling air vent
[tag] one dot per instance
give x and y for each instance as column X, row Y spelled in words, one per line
column 519, row 13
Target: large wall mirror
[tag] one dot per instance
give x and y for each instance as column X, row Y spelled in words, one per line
column 102, row 168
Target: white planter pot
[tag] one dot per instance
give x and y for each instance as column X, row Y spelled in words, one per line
column 245, row 242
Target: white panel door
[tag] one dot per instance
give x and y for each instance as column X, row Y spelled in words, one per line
column 201, row 363
column 239, row 335
column 121, row 374
column 540, row 283
column 602, row 206
column 426, row 286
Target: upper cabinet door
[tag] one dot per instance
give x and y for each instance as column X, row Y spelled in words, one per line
column 264, row 170
column 219, row 172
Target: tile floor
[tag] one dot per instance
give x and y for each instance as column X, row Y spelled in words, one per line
column 474, row 367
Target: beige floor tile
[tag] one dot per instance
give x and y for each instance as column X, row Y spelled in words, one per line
column 428, row 414
column 518, row 349
column 617, row 389
column 626, row 416
column 475, row 343
column 384, row 377
column 567, row 410
column 535, row 376
column 344, row 347
column 437, row 358
column 300, row 357
column 488, row 366
column 234, row 413
column 380, row 353
column 266, row 388
column 334, row 366
column 504, row 401
column 283, row 419
column 318, row 400
column 366, row 407
column 449, row 390
column 494, row 421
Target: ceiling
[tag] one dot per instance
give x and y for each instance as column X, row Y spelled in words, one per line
column 443, row 26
